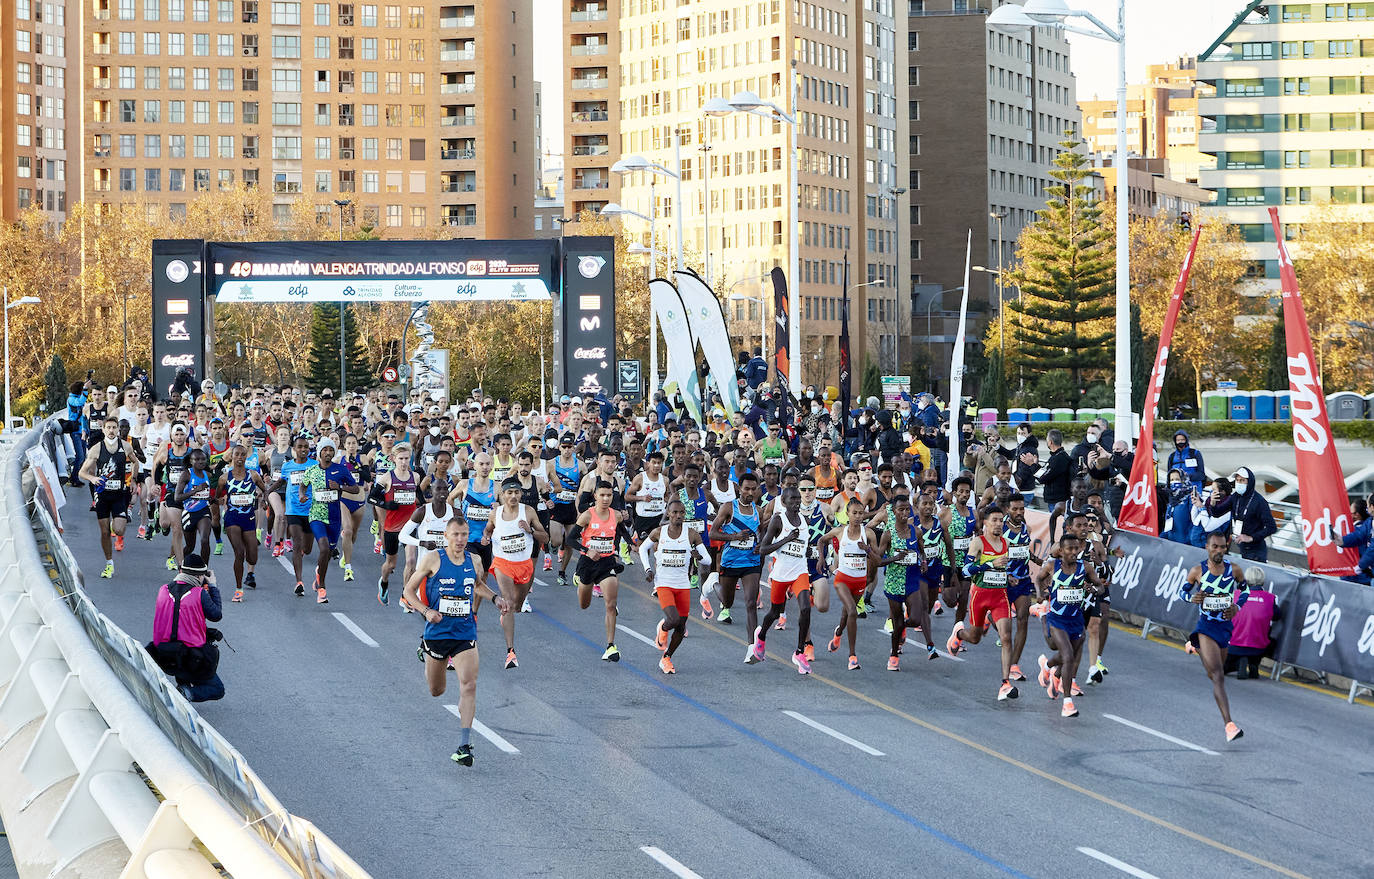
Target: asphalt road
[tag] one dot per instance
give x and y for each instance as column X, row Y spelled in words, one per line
column 613, row 770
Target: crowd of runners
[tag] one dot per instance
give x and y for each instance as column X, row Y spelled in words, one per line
column 766, row 524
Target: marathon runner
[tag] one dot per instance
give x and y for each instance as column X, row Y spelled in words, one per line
column 595, row 533
column 512, row 530
column 1067, row 592
column 241, row 491
column 986, row 563
column 672, row 545
column 1220, row 591
column 788, row 535
column 107, row 470
column 323, row 485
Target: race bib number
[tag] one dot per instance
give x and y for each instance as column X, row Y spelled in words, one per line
column 326, row 496
column 297, row 477
column 603, row 545
column 673, row 558
column 1216, row 603
column 1072, row 596
column 276, row 475
column 932, row 552
column 241, row 500
column 439, row 541
column 478, row 514
column 911, row 558
column 743, row 543
column 961, row 543
column 455, row 607
column 794, row 548
column 994, row 578
column 654, row 507
column 514, row 544
column 201, row 494
column 404, row 497
column 854, row 561
column 697, row 525
column 825, row 494
column 565, row 497
column 1018, row 553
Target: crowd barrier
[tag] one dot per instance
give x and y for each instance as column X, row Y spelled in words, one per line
column 85, row 709
column 1327, row 624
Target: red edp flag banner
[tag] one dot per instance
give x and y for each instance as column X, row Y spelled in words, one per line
column 1324, row 502
column 1138, row 511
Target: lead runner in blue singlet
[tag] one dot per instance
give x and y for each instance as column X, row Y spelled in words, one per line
column 443, row 588
column 1221, row 591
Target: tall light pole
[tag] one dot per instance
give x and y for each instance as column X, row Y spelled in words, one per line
column 343, row 312
column 895, row 193
column 763, row 311
column 614, row 210
column 999, row 216
column 715, row 107
column 27, row 300
column 1037, row 13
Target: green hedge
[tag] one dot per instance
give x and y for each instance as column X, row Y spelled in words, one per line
column 1276, row 432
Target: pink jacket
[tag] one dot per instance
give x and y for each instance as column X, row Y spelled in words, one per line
column 1250, row 628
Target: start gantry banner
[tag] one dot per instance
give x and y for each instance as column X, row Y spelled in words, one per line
column 458, row 270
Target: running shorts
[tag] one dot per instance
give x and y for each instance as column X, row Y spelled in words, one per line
column 191, row 520
column 1019, row 588
column 644, row 524
column 1218, row 630
column 480, row 550
column 741, row 572
column 444, row 649
column 855, row 585
column 988, row 601
column 246, row 521
column 112, row 505
column 779, row 590
column 591, row 571
column 1093, row 608
column 519, row 572
column 352, row 506
column 678, row 598
column 564, row 514
column 1073, row 625
column 391, row 542
column 301, row 522
column 325, row 531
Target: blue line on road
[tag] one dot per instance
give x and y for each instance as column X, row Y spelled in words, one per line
column 800, row 761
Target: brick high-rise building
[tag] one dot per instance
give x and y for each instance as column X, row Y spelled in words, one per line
column 591, row 112
column 418, row 113
column 40, row 108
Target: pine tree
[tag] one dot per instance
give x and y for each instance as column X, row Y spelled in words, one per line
column 871, row 385
column 323, row 363
column 1142, row 360
column 994, row 388
column 1065, row 269
column 1276, row 370
column 55, row 383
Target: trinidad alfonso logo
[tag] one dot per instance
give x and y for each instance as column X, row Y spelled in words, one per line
column 590, row 266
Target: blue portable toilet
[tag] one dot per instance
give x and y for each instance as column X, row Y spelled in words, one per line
column 1017, row 416
column 1039, row 414
column 1263, row 405
column 1282, row 400
column 1240, row 405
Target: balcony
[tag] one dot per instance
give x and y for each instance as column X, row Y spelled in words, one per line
column 100, row 49
column 101, row 15
column 460, row 220
column 457, row 88
column 590, row 49
column 589, row 116
column 592, row 150
column 101, row 83
column 462, row 21
column 591, row 184
column 596, row 82
column 457, row 54
column 588, row 15
column 455, row 155
column 458, row 187
column 450, row 121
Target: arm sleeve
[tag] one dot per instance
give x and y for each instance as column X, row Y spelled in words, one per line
column 409, row 534
column 644, row 548
column 703, row 553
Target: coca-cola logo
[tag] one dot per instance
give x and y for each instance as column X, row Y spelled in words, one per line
column 179, row 360
column 1319, row 623
column 1310, row 433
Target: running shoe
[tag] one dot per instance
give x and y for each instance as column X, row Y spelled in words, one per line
column 238, row 595
column 462, row 756
column 892, row 663
column 1039, row 610
column 108, row 571
column 1074, row 689
column 999, row 642
column 954, row 645
column 887, row 625
column 706, row 610
column 861, row 606
column 300, row 588
column 781, row 623
column 724, row 616
column 1233, row 732
column 1188, row 647
column 450, row 664
column 1100, row 667
column 596, row 591
column 612, row 654
column 148, row 533
column 510, row 660
column 377, row 546
column 348, row 573
column 383, row 591
column 562, row 578
column 937, row 608
column 1007, row 691
column 219, row 548
column 1068, row 710
column 625, row 555
column 853, row 662
column 694, row 580
column 290, row 544
column 660, row 638
column 267, row 541
column 259, row 533
column 1016, row 673
column 278, row 550
column 406, row 608
column 525, row 607
column 321, row 597
column 834, row 643
column 171, row 563
column 143, row 531
column 250, row 580
column 548, row 563
column 931, row 652
column 810, row 651
column 1094, row 676
column 1043, row 679
column 755, row 651
column 800, row 661
column 119, row 543
column 665, row 665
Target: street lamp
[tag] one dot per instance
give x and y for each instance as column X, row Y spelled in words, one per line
column 763, row 322
column 714, row 107
column 748, row 102
column 894, row 193
column 614, row 210
column 27, row 300
column 1014, row 19
column 999, row 216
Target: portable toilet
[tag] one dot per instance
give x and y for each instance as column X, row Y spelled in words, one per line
column 988, row 417
column 1017, row 416
column 1039, row 414
column 1086, row 415
column 1215, row 406
column 1369, row 406
column 1281, row 405
column 1345, row 406
column 1263, row 405
column 1107, row 415
column 1060, row 413
column 1240, row 405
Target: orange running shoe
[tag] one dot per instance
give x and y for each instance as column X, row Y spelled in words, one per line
column 1068, row 710
column 954, row 644
column 892, row 663
column 1007, row 691
column 119, row 543
column 853, row 662
column 660, row 637
column 1233, row 732
column 1074, row 689
column 1016, row 674
column 1043, row 679
column 834, row 644
column 810, row 651
column 665, row 665
column 706, row 609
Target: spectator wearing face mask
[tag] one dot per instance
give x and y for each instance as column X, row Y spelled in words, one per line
column 1117, row 475
column 1027, row 461
column 982, row 456
column 1212, row 513
column 1253, row 519
column 1178, row 517
column 1187, row 459
column 1361, row 539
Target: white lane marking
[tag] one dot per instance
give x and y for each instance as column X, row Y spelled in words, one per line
column 1120, row 865
column 286, row 564
column 633, row 634
column 674, row 866
column 1161, row 735
column 911, row 639
column 835, row 734
column 357, row 632
column 486, row 732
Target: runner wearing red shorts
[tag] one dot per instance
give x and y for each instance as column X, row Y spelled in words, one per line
column 508, row 533
column 986, row 563
column 856, row 547
column 673, row 546
column 787, row 539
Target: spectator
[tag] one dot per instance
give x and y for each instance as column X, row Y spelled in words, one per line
column 1106, row 437
column 1027, row 460
column 1252, row 628
column 1361, row 538
column 890, row 441
column 755, row 370
column 1187, row 459
column 1251, row 513
column 1212, row 512
column 182, row 645
column 1178, row 517
column 983, row 457
column 1055, row 477
column 927, row 413
column 1081, row 452
column 1118, row 477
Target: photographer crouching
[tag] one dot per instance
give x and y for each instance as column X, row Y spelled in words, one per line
column 182, row 645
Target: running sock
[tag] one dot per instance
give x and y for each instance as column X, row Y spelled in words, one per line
column 467, row 736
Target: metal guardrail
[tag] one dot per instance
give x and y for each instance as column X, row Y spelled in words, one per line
column 233, row 797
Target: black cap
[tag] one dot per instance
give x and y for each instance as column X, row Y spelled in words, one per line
column 192, row 563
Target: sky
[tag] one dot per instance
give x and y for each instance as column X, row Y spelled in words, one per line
column 1157, row 31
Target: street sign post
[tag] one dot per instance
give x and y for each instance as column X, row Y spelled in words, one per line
column 629, row 381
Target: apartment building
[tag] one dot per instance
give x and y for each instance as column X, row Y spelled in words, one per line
column 40, row 109
column 1292, row 121
column 416, row 114
column 986, row 114
column 591, row 117
column 1161, row 120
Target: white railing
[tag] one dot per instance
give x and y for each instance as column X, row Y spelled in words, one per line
column 106, row 750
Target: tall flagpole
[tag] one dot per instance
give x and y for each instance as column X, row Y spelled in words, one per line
column 956, row 373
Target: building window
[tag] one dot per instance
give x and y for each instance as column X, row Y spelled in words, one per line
column 1256, row 51
column 286, row 13
column 1247, row 88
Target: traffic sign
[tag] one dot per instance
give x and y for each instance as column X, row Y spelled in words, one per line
column 1226, row 386
column 389, row 374
column 629, row 382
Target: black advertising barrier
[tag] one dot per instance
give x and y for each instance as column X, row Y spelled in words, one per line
column 588, row 315
column 1328, row 624
column 178, row 310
